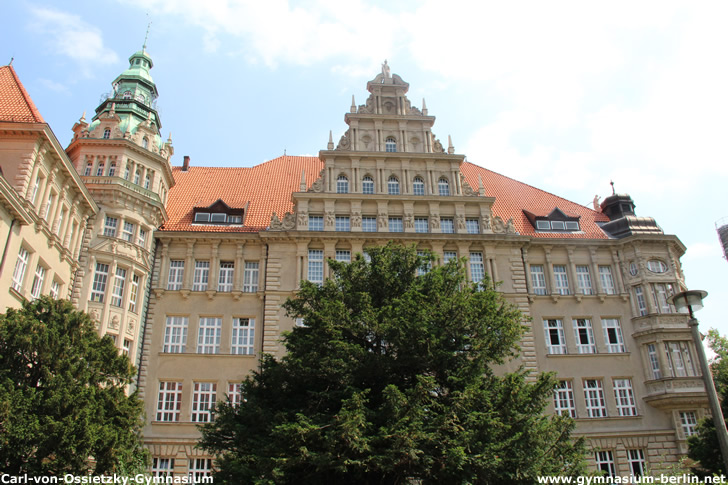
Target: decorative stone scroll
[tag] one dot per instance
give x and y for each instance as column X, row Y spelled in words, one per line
column 318, row 185
column 467, row 189
column 344, row 142
column 500, row 227
column 288, row 222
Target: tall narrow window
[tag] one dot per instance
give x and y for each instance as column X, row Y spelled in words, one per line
column 538, row 279
column 243, row 340
column 637, row 462
column 117, row 293
column 584, row 335
column 208, row 337
column 162, row 467
column 477, row 269
column 134, row 293
column 562, row 280
column 100, row 169
column 38, row 279
column 107, row 133
column 169, row 401
column 201, row 277
column 418, row 186
column 55, row 289
column 613, row 335
column 583, row 279
column 654, row 361
column 393, row 186
column 127, row 231
column 61, row 216
column 443, row 186
column 689, row 423
column 564, row 399
column 316, row 266
column 235, row 393
column 145, row 142
column 605, row 462
column 137, row 176
column 225, row 279
column 88, row 169
column 367, row 185
column 48, row 206
column 342, row 184
column 142, row 239
column 390, row 144
column 679, row 359
column 606, row 279
column 624, row 397
column 126, row 347
column 554, row 333
column 203, row 400
column 661, row 293
column 594, row 397
column 175, row 335
column 250, row 277
column 98, row 288
column 641, row 303
column 112, row 169
column 110, row 226
column 147, row 181
column 447, row 225
column 176, row 274
column 424, row 268
column 36, row 185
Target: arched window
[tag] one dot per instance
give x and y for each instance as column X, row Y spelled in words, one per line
column 145, row 142
column 107, row 133
column 147, row 181
column 100, row 169
column 342, row 185
column 390, row 144
column 126, row 172
column 137, row 176
column 127, row 95
column 443, row 186
column 112, row 169
column 393, row 185
column 418, row 186
column 367, row 185
column 89, row 167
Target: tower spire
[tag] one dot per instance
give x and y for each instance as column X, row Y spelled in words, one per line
column 146, row 36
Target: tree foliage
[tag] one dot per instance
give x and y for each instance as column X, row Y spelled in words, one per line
column 392, row 381
column 703, row 446
column 63, row 406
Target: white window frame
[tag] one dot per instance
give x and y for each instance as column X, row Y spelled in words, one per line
column 235, row 393
column 472, row 226
column 204, row 396
column 110, row 225
column 477, row 267
column 127, row 231
column 98, row 288
column 613, row 338
column 554, row 334
column 38, row 279
column 316, row 266
column 175, row 335
column 607, row 280
column 393, row 185
column 142, row 238
column 584, row 336
column 654, row 361
column 176, row 274
column 641, row 302
column 243, row 336
column 208, row 335
column 395, row 224
column 250, row 277
column 583, row 279
column 55, row 289
column 443, row 187
column 343, row 255
column 390, row 144
column 367, row 185
column 162, row 467
column 126, row 347
column 689, row 423
column 624, row 397
column 447, row 225
column 315, row 223
column 134, row 292
column 117, row 292
column 342, row 184
column 422, row 225
column 343, row 224
column 201, row 277
column 637, row 462
column 538, row 279
column 604, row 460
column 564, row 399
column 561, row 279
column 418, row 186
column 199, row 469
column 596, row 406
column 661, row 292
column 368, row 224
column 225, row 276
column 680, row 362
column 448, row 256
column 169, row 401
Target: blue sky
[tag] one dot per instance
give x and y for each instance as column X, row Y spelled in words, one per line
column 565, row 96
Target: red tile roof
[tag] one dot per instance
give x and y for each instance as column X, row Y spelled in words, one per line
column 15, row 103
column 268, row 188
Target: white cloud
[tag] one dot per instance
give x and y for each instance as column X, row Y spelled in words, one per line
column 70, row 36
column 54, row 86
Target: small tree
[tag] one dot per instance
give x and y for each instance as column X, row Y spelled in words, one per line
column 63, row 406
column 703, row 446
column 392, row 381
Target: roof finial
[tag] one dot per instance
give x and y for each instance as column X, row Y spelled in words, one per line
column 611, row 182
column 302, row 185
column 83, row 117
column 385, row 70
column 284, row 152
column 146, row 36
column 353, row 105
column 330, row 146
column 424, row 107
column 481, row 187
column 450, row 148
column 11, row 61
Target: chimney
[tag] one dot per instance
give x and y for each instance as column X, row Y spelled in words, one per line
column 186, row 163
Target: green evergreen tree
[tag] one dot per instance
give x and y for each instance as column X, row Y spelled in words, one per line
column 703, row 446
column 63, row 406
column 392, row 381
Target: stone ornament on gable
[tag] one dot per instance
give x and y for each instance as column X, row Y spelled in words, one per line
column 499, row 226
column 510, row 228
column 275, row 223
column 437, row 146
column 368, row 107
column 344, row 142
column 461, row 221
column 485, row 221
column 303, row 218
column 435, row 222
column 289, row 221
column 409, row 221
column 318, row 185
column 330, row 218
column 467, row 189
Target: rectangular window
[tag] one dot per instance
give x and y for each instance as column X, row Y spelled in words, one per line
column 606, row 279
column 126, row 348
column 654, row 362
column 624, row 396
column 689, row 423
column 679, row 359
column 641, row 303
column 561, row 278
column 176, row 274
column 127, row 231
column 55, row 289
column 661, row 293
column 448, row 256
column 538, row 279
column 369, row 224
column 584, row 336
column 208, row 337
column 342, row 224
column 343, row 255
column 110, row 226
column 315, row 223
column 316, row 266
column 395, row 224
column 235, row 393
column 637, row 462
column 555, row 339
column 49, row 203
column 98, row 289
column 204, row 396
column 564, row 399
column 447, row 225
column 169, row 401
column 250, row 277
column 225, row 278
column 134, row 293
column 175, row 335
column 421, row 224
column 613, row 335
column 142, row 240
column 477, row 269
column 117, row 293
column 605, row 462
column 112, row 169
column 38, row 279
column 35, row 190
column 594, row 397
column 424, row 268
column 472, row 226
column 163, row 467
column 583, row 279
column 243, row 336
column 19, row 273
column 201, row 276
column 199, row 468
column 61, row 216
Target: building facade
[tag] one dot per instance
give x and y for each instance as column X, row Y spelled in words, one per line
column 187, row 267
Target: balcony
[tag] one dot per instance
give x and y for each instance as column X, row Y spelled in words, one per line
column 659, row 321
column 675, row 392
column 97, row 180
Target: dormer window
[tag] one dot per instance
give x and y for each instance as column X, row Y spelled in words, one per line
column 390, row 145
column 218, row 217
column 556, row 221
column 218, row 213
column 107, row 133
column 145, row 142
